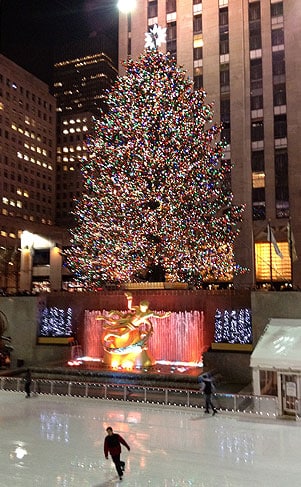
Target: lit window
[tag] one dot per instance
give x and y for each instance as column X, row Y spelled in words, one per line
column 278, row 269
column 198, row 42
column 258, row 179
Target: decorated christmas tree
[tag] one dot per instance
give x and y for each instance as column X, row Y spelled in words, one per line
column 156, row 185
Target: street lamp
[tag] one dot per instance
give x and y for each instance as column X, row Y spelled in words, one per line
column 126, row 6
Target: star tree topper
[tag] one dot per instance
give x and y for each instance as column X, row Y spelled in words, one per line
column 155, row 37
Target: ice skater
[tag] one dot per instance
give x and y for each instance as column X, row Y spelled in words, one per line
column 208, row 388
column 112, row 445
column 27, row 383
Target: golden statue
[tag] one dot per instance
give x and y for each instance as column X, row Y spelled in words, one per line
column 125, row 335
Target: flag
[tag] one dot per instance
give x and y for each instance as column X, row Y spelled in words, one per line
column 291, row 243
column 272, row 239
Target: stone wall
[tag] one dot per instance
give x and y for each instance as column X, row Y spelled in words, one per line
column 267, row 305
column 22, row 316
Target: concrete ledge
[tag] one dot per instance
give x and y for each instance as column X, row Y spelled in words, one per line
column 232, row 347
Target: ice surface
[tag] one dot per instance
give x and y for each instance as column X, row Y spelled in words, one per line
column 52, row 441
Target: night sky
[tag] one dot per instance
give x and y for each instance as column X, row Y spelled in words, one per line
column 31, row 30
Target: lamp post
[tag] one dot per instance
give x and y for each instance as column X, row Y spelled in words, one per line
column 126, row 6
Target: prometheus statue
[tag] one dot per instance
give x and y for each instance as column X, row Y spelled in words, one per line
column 126, row 334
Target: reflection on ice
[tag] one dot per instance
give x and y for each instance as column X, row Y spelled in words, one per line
column 54, row 427
column 52, row 441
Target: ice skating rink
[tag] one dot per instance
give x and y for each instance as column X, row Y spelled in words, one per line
column 52, row 441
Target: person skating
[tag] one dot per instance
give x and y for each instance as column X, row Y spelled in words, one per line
column 208, row 388
column 112, row 445
column 27, row 383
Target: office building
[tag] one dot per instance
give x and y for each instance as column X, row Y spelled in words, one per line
column 83, row 73
column 27, row 177
column 244, row 54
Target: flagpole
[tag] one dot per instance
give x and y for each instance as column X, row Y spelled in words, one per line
column 290, row 243
column 270, row 241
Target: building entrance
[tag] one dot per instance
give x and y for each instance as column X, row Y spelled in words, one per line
column 290, row 394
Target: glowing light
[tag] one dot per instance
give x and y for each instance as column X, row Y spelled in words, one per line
column 115, row 363
column 55, row 322
column 20, row 452
column 127, row 364
column 126, row 6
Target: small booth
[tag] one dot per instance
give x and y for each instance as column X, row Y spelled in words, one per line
column 276, row 365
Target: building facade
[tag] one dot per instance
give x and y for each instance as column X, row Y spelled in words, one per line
column 83, row 73
column 27, row 178
column 243, row 52
column 42, row 144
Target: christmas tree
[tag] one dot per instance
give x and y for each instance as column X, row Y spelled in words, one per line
column 156, row 185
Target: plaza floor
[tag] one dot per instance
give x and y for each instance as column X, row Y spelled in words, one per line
column 54, row 441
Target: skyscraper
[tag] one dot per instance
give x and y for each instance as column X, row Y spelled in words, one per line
column 84, row 71
column 243, row 53
column 27, row 169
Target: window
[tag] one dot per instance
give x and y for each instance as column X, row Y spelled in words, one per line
column 257, row 161
column 258, row 190
column 198, row 82
column 197, row 53
column 129, row 46
column 254, row 11
column 256, row 102
column 258, row 209
column 41, row 256
column 277, row 9
column 279, row 94
column 257, row 131
column 281, row 184
column 152, row 9
column 258, row 180
column 280, row 126
column 256, row 69
column 255, row 41
column 197, row 24
column 224, row 78
column 223, row 17
column 224, row 44
column 254, row 26
column 171, row 6
column 225, row 118
column 277, row 37
column 171, row 38
column 278, row 63
column 223, row 31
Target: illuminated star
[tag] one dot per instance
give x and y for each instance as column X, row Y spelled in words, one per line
column 155, row 37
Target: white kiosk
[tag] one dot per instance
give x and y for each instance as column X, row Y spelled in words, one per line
column 276, row 365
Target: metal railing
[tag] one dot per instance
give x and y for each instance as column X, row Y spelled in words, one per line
column 266, row 406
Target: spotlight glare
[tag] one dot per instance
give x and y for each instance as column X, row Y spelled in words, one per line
column 126, row 6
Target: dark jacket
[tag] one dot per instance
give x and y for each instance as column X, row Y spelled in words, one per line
column 112, row 444
column 208, row 386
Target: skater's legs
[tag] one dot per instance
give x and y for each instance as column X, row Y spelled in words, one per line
column 118, row 464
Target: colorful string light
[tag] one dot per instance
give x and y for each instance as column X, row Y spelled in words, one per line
column 156, row 185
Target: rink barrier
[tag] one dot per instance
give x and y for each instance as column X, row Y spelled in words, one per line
column 265, row 406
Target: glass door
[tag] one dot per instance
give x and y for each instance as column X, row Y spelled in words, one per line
column 289, row 389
